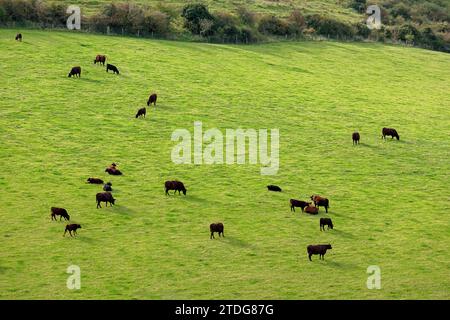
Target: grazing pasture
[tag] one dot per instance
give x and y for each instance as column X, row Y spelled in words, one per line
column 389, row 198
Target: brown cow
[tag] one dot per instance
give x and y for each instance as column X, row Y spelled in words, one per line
column 100, row 59
column 113, row 171
column 175, row 185
column 298, row 203
column 355, row 137
column 312, row 210
column 152, row 99
column 72, row 228
column 61, row 212
column 320, row 202
column 216, row 227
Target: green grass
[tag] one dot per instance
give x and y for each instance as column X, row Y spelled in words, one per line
column 389, row 199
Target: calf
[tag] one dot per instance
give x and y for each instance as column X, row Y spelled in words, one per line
column 141, row 112
column 355, row 137
column 312, row 210
column 72, row 228
column 94, row 181
column 389, row 132
column 174, row 185
column 274, row 188
column 298, row 203
column 152, row 99
column 319, row 249
column 100, row 59
column 320, row 202
column 326, row 222
column 104, row 197
column 216, row 227
column 19, row 37
column 75, row 71
column 61, row 212
column 107, row 187
column 112, row 68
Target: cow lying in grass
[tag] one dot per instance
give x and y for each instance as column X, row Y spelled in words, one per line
column 61, row 212
column 274, row 188
column 71, row 228
column 319, row 249
column 94, row 181
column 216, row 227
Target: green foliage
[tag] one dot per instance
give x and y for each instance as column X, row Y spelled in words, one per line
column 197, row 18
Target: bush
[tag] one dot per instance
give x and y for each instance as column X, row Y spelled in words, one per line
column 246, row 17
column 409, row 33
column 156, row 22
column 271, row 25
column 358, row 5
column 362, row 30
column 329, row 27
column 296, row 23
column 198, row 19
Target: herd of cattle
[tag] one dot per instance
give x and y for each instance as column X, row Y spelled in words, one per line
column 107, row 197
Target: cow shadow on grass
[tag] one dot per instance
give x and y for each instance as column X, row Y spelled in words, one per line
column 235, row 242
column 343, row 234
column 365, row 145
column 89, row 80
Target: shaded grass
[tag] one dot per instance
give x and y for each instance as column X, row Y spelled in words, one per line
column 388, row 198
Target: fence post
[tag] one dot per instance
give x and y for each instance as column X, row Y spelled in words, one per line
column 108, row 30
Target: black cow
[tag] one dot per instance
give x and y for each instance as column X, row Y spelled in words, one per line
column 94, row 181
column 274, row 188
column 152, row 99
column 113, row 171
column 61, row 212
column 72, row 228
column 19, row 37
column 175, row 185
column 107, row 187
column 298, row 203
column 355, row 137
column 389, row 132
column 112, row 68
column 100, row 59
column 75, row 71
column 319, row 249
column 216, row 227
column 320, row 202
column 141, row 112
column 104, row 197
column 325, row 222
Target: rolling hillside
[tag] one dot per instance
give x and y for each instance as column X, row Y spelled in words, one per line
column 389, row 199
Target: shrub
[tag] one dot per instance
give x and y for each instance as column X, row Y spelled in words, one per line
column 329, row 27
column 273, row 25
column 296, row 23
column 247, row 17
column 198, row 19
column 409, row 33
column 156, row 22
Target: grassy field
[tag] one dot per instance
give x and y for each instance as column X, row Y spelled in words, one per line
column 389, row 199
column 337, row 8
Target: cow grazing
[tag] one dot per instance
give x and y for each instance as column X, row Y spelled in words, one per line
column 355, row 137
column 112, row 68
column 326, row 222
column 312, row 210
column 100, row 59
column 274, row 188
column 298, row 203
column 75, row 71
column 152, row 99
column 141, row 112
column 113, row 171
column 107, row 187
column 72, row 228
column 19, row 37
column 319, row 249
column 61, row 212
column 320, row 202
column 175, row 185
column 94, row 181
column 389, row 132
column 104, row 197
column 216, row 227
